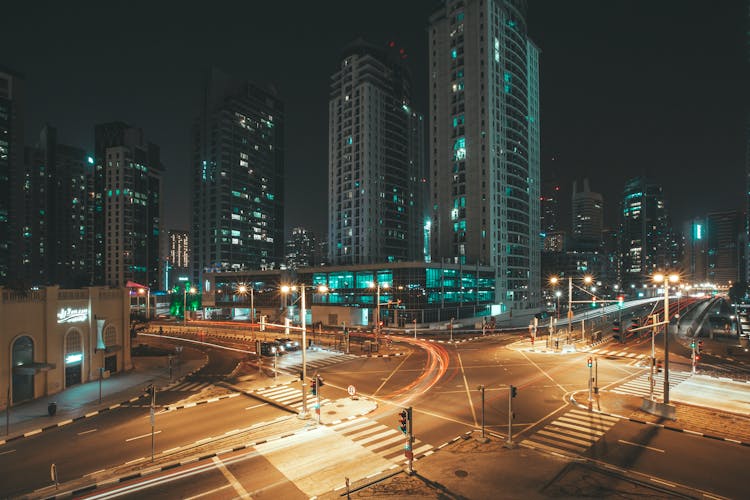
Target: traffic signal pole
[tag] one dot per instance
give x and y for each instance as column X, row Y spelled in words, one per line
column 511, row 394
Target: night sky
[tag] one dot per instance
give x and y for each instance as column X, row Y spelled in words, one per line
column 627, row 87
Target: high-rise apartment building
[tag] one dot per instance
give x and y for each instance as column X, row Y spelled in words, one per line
column 11, row 164
column 723, row 247
column 238, row 177
column 646, row 242
column 301, row 249
column 54, row 214
column 377, row 183
column 484, row 143
column 588, row 215
column 550, row 209
column 126, row 206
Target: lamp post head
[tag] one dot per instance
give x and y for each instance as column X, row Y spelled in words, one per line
column 674, row 278
column 242, row 289
column 558, row 293
column 192, row 290
column 322, row 289
column 588, row 279
column 553, row 280
column 285, row 288
column 658, row 278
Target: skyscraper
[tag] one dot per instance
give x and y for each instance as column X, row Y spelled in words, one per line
column 177, row 257
column 484, row 144
column 54, row 216
column 377, row 183
column 646, row 242
column 11, row 163
column 301, row 249
column 588, row 213
column 723, row 247
column 238, row 177
column 694, row 259
column 127, row 205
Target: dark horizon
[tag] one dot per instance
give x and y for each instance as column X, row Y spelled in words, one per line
column 663, row 90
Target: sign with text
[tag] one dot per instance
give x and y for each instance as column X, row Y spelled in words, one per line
column 72, row 315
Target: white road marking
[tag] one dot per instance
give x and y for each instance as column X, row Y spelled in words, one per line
column 87, row 432
column 142, row 436
column 256, row 406
column 230, row 477
column 640, row 445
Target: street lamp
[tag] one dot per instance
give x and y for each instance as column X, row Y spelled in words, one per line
column 303, row 321
column 377, row 312
column 184, row 302
column 242, row 290
column 667, row 280
column 587, row 280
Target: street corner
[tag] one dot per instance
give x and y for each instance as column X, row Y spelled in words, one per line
column 347, row 408
column 605, row 402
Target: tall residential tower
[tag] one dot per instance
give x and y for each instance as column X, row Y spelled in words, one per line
column 377, row 199
column 484, row 144
column 238, row 177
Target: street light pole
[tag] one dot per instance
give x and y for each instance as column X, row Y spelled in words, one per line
column 570, row 305
column 303, row 317
column 252, row 304
column 666, row 341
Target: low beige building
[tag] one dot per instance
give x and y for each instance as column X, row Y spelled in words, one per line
column 52, row 339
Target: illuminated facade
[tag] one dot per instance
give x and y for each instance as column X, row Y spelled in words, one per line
column 377, row 184
column 694, row 264
column 646, row 241
column 238, row 178
column 484, row 144
column 126, row 203
column 301, row 249
column 52, row 339
column 178, row 257
column 11, row 160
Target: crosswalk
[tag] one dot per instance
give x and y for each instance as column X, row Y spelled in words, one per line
column 573, row 432
column 380, row 439
column 619, row 353
column 292, row 362
column 290, row 396
column 640, row 386
column 190, row 386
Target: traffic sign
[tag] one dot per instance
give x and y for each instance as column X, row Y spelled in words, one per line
column 351, row 390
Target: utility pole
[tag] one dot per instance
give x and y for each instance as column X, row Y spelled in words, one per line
column 511, row 394
column 483, row 439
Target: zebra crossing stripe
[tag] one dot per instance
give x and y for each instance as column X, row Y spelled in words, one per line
column 387, row 443
column 554, row 427
column 372, row 438
column 558, row 444
column 423, row 449
column 565, row 422
column 347, row 423
column 565, row 437
column 361, row 433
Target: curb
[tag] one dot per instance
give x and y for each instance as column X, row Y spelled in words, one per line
column 95, row 412
column 662, row 426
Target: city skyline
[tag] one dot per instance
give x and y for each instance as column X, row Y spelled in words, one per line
column 609, row 111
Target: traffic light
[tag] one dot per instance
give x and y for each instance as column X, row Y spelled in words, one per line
column 593, row 302
column 589, row 363
column 314, row 386
column 403, row 421
column 513, row 391
column 620, row 299
column 700, row 346
column 692, row 344
column 658, row 366
column 320, row 381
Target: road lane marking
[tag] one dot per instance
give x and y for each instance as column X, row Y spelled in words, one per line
column 543, row 372
column 468, row 392
column 87, row 432
column 7, row 452
column 230, row 477
column 142, row 436
column 256, row 406
column 393, row 372
column 640, row 445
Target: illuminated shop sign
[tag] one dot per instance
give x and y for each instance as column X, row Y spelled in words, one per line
column 73, row 358
column 70, row 315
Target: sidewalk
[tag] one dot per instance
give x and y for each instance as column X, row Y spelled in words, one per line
column 708, row 421
column 82, row 400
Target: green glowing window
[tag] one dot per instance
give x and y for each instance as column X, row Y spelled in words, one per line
column 454, row 53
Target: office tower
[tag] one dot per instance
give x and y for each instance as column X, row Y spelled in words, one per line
column 127, row 205
column 11, row 164
column 177, row 257
column 484, row 144
column 723, row 247
column 301, row 249
column 588, row 209
column 646, row 241
column 54, row 214
column 694, row 265
column 238, row 177
column 376, row 192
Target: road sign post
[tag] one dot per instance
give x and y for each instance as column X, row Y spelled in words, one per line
column 483, row 439
column 512, row 391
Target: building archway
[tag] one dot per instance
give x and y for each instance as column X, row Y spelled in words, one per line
column 73, row 358
column 22, row 353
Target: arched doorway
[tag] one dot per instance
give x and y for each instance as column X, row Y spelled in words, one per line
column 23, row 382
column 73, row 358
column 110, row 341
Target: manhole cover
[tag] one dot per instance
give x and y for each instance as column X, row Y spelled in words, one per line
column 339, row 406
column 461, row 473
column 332, row 412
